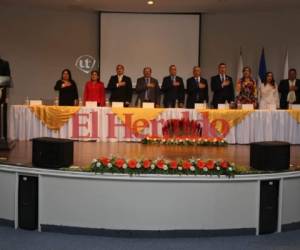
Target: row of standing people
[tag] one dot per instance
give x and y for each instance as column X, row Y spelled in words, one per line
column 148, row 90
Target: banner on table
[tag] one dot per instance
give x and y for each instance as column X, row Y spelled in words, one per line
column 295, row 114
column 139, row 123
column 230, row 117
column 54, row 117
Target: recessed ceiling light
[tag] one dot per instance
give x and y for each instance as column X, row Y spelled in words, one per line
column 150, row 2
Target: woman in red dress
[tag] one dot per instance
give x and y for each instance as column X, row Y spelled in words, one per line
column 94, row 90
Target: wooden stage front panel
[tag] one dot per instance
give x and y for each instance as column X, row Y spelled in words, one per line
column 84, row 152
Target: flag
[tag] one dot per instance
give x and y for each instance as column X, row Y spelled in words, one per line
column 240, row 66
column 286, row 66
column 262, row 70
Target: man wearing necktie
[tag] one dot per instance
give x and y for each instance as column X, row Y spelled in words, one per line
column 289, row 90
column 222, row 87
column 120, row 87
column 147, row 88
column 197, row 89
column 173, row 89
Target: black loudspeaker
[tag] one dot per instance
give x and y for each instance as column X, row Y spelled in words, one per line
column 28, row 202
column 270, row 155
column 268, row 212
column 52, row 153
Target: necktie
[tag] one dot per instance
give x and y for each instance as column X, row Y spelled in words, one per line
column 146, row 93
column 198, row 89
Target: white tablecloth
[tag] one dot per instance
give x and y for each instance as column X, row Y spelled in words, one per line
column 261, row 125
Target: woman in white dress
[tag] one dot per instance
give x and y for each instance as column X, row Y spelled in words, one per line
column 268, row 92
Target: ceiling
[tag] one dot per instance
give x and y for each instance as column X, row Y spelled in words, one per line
column 161, row 5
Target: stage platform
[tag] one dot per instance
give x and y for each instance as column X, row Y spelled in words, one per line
column 84, row 152
column 149, row 205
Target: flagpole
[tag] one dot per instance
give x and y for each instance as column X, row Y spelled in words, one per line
column 240, row 65
column 286, row 65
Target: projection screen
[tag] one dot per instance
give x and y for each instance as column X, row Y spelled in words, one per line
column 155, row 40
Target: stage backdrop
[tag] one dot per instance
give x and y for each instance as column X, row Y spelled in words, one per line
column 156, row 40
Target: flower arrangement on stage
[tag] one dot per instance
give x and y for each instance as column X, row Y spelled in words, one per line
column 180, row 127
column 161, row 166
column 184, row 140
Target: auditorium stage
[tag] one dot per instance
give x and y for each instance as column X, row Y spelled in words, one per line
column 148, row 205
column 84, row 152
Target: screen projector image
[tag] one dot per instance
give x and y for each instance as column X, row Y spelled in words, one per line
column 155, row 40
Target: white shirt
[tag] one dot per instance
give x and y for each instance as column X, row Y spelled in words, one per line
column 120, row 78
column 292, row 83
column 291, row 98
column 222, row 78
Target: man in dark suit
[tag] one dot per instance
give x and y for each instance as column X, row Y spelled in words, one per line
column 4, row 71
column 147, row 88
column 120, row 87
column 4, row 68
column 289, row 90
column 173, row 89
column 197, row 89
column 222, row 86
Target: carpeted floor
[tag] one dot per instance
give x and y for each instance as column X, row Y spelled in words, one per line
column 32, row 240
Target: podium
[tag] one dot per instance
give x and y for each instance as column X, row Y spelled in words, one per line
column 5, row 144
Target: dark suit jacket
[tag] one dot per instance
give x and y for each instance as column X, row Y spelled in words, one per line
column 4, row 71
column 284, row 88
column 195, row 94
column 221, row 95
column 4, row 68
column 121, row 94
column 172, row 93
column 152, row 93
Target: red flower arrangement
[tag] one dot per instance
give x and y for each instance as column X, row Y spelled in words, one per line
column 200, row 164
column 210, row 164
column 178, row 127
column 173, row 165
column 162, row 166
column 185, row 140
column 104, row 160
column 186, row 165
column 132, row 164
column 224, row 164
column 119, row 163
column 146, row 164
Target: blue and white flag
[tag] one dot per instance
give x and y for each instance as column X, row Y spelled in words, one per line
column 286, row 65
column 262, row 70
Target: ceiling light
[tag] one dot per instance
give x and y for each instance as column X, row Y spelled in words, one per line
column 150, row 2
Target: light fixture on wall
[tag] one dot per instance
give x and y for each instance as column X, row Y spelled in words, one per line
column 150, row 2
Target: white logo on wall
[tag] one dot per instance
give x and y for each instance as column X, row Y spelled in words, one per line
column 85, row 63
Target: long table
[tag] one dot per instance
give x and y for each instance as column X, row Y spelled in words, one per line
column 101, row 124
